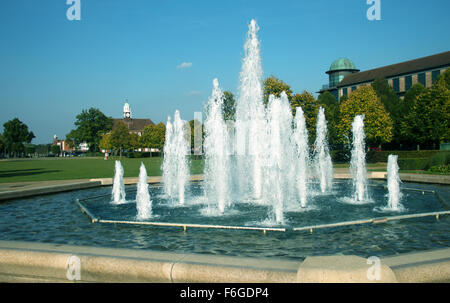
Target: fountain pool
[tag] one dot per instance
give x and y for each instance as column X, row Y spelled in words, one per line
column 57, row 219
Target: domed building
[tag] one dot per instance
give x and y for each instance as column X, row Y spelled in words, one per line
column 339, row 69
column 344, row 77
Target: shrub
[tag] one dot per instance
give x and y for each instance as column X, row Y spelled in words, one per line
column 440, row 169
column 413, row 163
column 439, row 159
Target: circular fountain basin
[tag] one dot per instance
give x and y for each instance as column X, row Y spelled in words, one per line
column 57, row 219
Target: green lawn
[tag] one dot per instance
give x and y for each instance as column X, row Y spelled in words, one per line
column 22, row 170
column 44, row 169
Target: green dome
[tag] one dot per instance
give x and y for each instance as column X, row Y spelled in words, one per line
column 342, row 64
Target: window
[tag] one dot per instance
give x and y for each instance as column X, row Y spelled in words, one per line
column 408, row 82
column 421, row 78
column 396, row 84
column 353, row 88
column 344, row 91
column 435, row 74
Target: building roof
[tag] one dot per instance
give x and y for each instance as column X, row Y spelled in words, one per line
column 342, row 64
column 134, row 124
column 407, row 67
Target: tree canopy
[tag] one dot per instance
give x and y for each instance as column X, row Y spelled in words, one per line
column 91, row 125
column 153, row 136
column 274, row 86
column 15, row 135
column 310, row 109
column 229, row 106
column 377, row 122
column 391, row 103
column 120, row 138
column 429, row 120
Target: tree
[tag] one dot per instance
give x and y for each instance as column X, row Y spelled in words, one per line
column 153, row 136
column 391, row 103
column 55, row 149
column 72, row 138
column 410, row 98
column 229, row 106
column 377, row 122
column 274, row 86
column 429, row 120
column 120, row 137
column 310, row 109
column 15, row 134
column 407, row 133
column 2, row 143
column 105, row 142
column 91, row 125
column 134, row 141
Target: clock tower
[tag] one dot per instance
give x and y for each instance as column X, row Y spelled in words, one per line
column 126, row 110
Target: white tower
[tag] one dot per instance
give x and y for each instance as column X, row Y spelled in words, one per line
column 126, row 110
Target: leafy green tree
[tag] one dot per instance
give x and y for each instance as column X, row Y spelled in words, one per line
column 429, row 120
column 105, row 142
column 30, row 149
column 55, row 149
column 274, row 86
column 153, row 136
column 391, row 103
column 120, row 138
column 15, row 134
column 331, row 106
column 72, row 138
column 229, row 106
column 91, row 125
column 2, row 144
column 407, row 106
column 134, row 141
column 410, row 98
column 377, row 122
column 310, row 109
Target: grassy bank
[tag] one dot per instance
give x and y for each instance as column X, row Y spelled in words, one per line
column 22, row 170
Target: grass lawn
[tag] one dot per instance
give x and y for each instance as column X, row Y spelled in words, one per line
column 22, row 170
column 44, row 169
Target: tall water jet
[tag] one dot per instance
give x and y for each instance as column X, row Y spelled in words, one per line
column 250, row 118
column 175, row 164
column 143, row 202
column 168, row 168
column 300, row 138
column 358, row 160
column 322, row 158
column 280, row 171
column 118, row 191
column 393, row 180
column 217, row 154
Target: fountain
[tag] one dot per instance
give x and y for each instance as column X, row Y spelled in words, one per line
column 358, row 161
column 393, row 181
column 217, row 154
column 322, row 158
column 279, row 168
column 118, row 191
column 143, row 202
column 175, row 163
column 300, row 137
column 250, row 119
column 259, row 182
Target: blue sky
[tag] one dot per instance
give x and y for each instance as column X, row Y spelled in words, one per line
column 52, row 68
